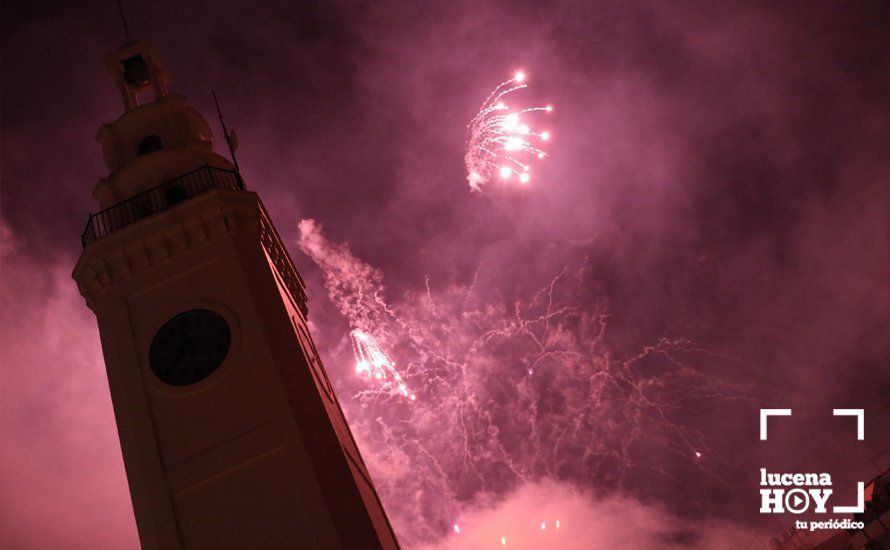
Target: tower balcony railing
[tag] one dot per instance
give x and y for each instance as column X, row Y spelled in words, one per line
column 157, row 199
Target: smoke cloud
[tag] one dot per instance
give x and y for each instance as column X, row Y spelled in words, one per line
column 527, row 519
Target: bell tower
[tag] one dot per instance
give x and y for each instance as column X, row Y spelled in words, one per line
column 231, row 434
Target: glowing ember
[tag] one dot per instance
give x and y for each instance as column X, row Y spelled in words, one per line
column 499, row 140
column 373, row 363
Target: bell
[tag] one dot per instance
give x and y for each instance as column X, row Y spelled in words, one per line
column 136, row 71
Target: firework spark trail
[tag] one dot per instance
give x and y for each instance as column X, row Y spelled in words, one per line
column 499, row 139
column 514, row 391
column 373, row 363
column 357, row 290
column 355, row 287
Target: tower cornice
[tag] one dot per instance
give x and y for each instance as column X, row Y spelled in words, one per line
column 120, row 259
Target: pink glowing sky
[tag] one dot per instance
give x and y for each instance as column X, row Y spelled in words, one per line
column 719, row 174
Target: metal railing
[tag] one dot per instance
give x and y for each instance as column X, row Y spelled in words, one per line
column 157, row 199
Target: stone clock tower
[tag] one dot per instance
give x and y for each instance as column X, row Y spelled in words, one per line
column 231, row 434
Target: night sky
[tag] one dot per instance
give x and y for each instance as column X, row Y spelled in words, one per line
column 710, row 235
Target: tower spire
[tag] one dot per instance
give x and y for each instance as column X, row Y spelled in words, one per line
column 120, row 10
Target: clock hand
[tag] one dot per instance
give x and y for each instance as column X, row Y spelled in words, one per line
column 187, row 349
column 178, row 359
column 171, row 367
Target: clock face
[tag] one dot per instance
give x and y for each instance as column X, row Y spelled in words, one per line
column 189, row 347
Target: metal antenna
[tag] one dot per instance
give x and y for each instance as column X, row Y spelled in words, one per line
column 120, row 9
column 228, row 141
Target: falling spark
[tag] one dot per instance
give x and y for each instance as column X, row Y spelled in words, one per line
column 504, row 541
column 697, row 454
column 373, row 363
column 543, row 526
column 456, row 529
column 499, row 140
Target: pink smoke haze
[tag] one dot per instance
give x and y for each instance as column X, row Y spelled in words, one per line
column 584, row 523
column 708, row 235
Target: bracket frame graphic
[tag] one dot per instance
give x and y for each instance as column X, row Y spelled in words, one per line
column 860, row 436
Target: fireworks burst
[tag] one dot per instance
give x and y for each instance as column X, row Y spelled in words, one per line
column 374, row 364
column 513, row 391
column 500, row 141
column 356, row 289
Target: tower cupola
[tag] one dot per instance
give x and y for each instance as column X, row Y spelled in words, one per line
column 158, row 136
